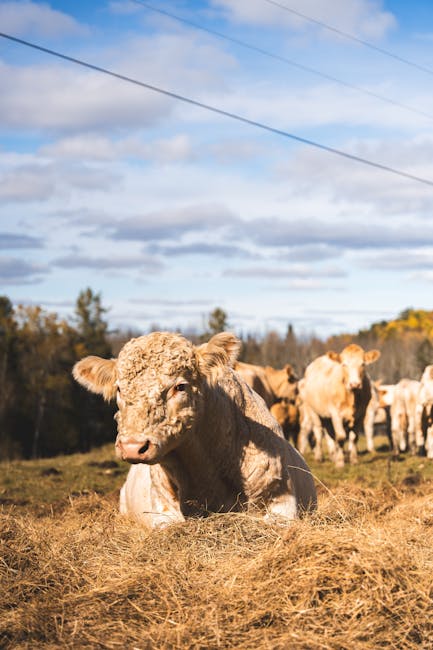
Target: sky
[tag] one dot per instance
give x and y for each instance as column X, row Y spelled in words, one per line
column 169, row 210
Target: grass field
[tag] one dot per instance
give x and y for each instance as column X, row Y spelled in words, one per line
column 76, row 574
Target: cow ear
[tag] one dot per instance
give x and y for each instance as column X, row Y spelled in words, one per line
column 371, row 356
column 289, row 370
column 334, row 356
column 221, row 349
column 97, row 375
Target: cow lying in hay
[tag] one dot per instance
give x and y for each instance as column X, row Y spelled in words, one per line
column 200, row 440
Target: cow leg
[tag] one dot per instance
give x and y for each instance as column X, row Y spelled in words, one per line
column 318, row 449
column 388, row 427
column 403, row 429
column 396, row 433
column 282, row 506
column 419, row 432
column 353, row 451
column 148, row 496
column 369, row 429
column 337, row 423
column 411, row 434
column 331, row 446
column 339, row 454
column 303, row 435
column 429, row 442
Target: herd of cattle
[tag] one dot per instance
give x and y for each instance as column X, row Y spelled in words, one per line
column 337, row 400
column 206, row 433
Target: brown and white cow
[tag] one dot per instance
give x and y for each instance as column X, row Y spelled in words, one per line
column 287, row 414
column 271, row 384
column 279, row 389
column 403, row 415
column 337, row 390
column 200, row 440
column 424, row 414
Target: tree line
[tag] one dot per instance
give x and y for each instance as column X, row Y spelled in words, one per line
column 44, row 412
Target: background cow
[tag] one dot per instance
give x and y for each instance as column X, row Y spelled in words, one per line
column 271, row 384
column 199, row 438
column 403, row 415
column 424, row 414
column 337, row 389
column 279, row 389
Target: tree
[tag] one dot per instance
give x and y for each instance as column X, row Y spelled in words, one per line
column 45, row 358
column 9, row 446
column 94, row 418
column 217, row 321
column 90, row 324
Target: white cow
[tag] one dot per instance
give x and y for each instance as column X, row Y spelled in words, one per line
column 337, row 389
column 403, row 415
column 424, row 414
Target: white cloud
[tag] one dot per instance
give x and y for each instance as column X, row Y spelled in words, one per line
column 65, row 97
column 171, row 224
column 299, row 272
column 39, row 19
column 92, row 146
column 137, row 262
column 358, row 17
column 356, row 188
column 40, row 182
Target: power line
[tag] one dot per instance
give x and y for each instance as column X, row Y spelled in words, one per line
column 216, row 110
column 283, row 59
column 351, row 37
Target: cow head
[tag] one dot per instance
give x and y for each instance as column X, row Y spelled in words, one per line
column 353, row 360
column 157, row 381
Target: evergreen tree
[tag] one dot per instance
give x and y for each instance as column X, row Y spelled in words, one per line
column 9, row 446
column 93, row 417
column 91, row 326
column 217, row 321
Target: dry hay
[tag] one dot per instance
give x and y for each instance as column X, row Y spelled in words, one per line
column 358, row 574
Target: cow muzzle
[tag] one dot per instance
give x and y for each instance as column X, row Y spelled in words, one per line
column 136, row 452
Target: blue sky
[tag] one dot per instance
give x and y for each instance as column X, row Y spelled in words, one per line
column 169, row 210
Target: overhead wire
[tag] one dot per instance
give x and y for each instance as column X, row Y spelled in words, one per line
column 283, row 59
column 216, row 110
column 351, row 37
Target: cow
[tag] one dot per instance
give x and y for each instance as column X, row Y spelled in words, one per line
column 383, row 414
column 337, row 390
column 273, row 385
column 424, row 414
column 198, row 438
column 286, row 413
column 279, row 389
column 403, row 415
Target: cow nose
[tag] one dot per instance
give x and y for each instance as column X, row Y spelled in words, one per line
column 133, row 451
column 355, row 385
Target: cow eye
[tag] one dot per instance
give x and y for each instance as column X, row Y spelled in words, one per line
column 180, row 388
